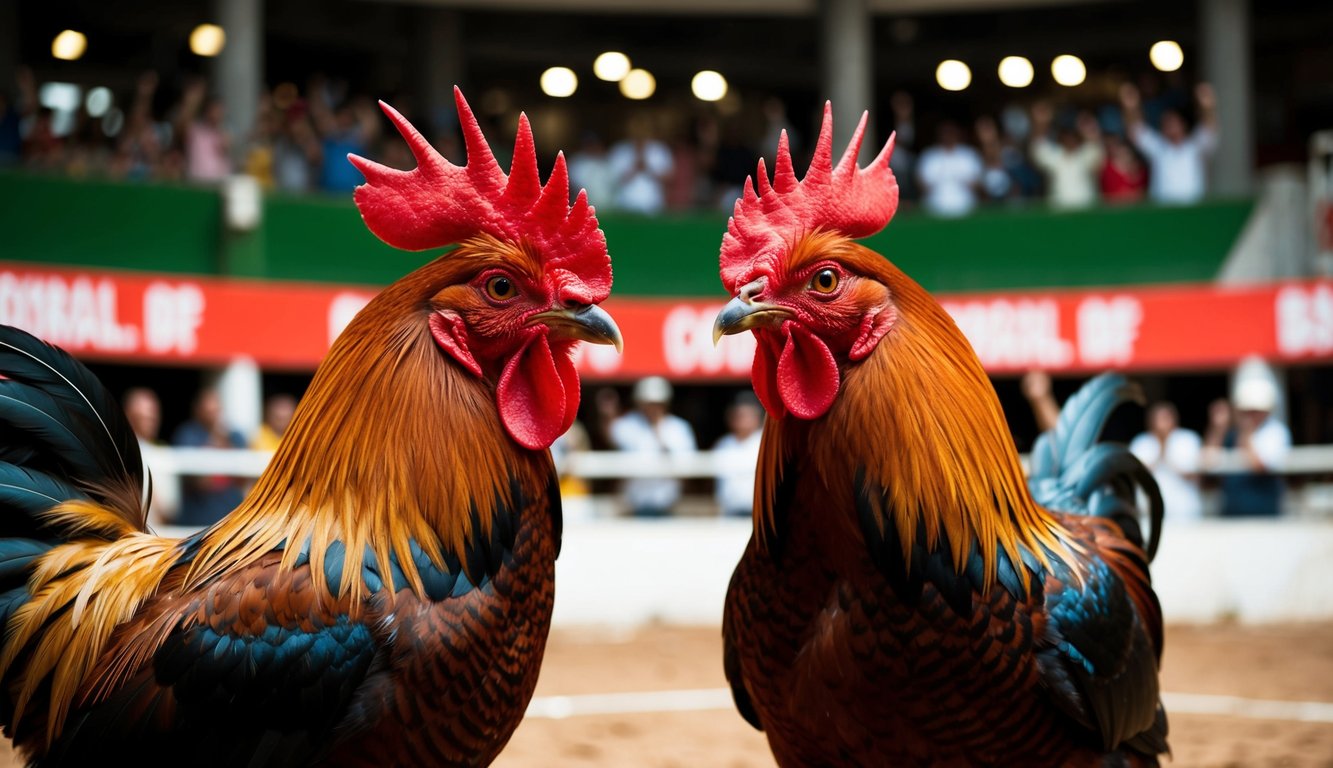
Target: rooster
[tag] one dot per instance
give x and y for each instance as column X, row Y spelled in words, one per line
column 906, row 598
column 383, row 594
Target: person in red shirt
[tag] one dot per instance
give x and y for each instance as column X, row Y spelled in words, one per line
column 1124, row 177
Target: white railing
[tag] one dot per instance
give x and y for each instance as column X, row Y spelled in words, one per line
column 167, row 463
column 1311, row 499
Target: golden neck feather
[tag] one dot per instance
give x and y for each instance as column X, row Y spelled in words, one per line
column 921, row 417
column 392, row 442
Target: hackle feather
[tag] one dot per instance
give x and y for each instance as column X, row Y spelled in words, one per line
column 921, row 416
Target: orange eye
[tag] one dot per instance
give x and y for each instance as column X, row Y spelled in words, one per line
column 824, row 281
column 501, row 288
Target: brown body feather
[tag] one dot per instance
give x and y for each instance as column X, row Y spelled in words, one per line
column 847, row 654
column 393, row 443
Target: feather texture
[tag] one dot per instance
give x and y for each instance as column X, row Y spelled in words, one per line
column 397, row 528
column 908, row 597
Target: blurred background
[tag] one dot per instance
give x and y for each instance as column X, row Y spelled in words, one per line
column 1086, row 184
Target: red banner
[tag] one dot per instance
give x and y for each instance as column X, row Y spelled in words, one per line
column 174, row 319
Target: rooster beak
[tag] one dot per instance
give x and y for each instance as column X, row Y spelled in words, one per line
column 588, row 323
column 742, row 314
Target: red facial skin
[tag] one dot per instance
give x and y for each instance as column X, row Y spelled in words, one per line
column 494, row 334
column 824, row 316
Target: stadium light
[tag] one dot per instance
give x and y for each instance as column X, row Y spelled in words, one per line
column 559, row 82
column 1166, row 55
column 638, row 84
column 1016, row 71
column 708, row 85
column 69, row 45
column 953, row 75
column 1068, row 70
column 207, row 40
column 611, row 66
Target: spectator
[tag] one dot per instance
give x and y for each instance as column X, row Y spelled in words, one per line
column 733, row 162
column 206, row 499
column 141, row 145
column 278, row 412
column 996, row 184
column 1072, row 166
column 1036, row 386
column 1261, row 441
column 903, row 161
column 12, row 115
column 737, row 453
column 1172, row 454
column 352, row 128
column 950, row 173
column 574, row 440
column 296, row 151
column 1124, row 179
column 590, row 169
column 683, row 185
column 1016, row 124
column 1176, row 157
column 207, row 143
column 640, row 165
column 650, row 432
column 144, row 413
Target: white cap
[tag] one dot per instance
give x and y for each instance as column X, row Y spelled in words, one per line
column 653, row 389
column 1255, row 394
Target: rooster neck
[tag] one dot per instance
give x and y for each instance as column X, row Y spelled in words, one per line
column 917, row 430
column 392, row 443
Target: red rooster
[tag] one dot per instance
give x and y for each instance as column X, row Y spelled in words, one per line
column 904, row 599
column 383, row 595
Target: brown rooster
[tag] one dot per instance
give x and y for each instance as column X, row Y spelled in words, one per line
column 904, row 599
column 383, row 595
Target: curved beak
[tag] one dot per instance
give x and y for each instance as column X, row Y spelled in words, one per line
column 587, row 323
column 741, row 314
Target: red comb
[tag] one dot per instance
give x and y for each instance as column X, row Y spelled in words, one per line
column 439, row 203
column 857, row 202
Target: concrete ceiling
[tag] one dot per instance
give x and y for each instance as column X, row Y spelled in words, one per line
column 734, row 7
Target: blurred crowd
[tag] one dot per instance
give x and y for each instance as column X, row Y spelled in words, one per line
column 1141, row 148
column 1153, row 144
column 1240, row 453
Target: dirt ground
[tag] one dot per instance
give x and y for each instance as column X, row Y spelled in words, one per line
column 1286, row 663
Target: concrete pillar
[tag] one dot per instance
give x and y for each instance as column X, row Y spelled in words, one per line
column 1227, row 64
column 239, row 70
column 845, row 42
column 440, row 67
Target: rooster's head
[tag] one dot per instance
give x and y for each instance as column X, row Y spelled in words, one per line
column 522, row 287
column 816, row 300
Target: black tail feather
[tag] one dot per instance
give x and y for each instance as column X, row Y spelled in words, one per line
column 62, row 436
column 1071, row 471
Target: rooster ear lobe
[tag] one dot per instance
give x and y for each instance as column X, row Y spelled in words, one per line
column 451, row 334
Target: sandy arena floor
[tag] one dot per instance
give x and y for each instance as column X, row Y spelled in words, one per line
column 1238, row 670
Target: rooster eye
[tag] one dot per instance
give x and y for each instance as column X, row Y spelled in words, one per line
column 501, row 288
column 824, row 281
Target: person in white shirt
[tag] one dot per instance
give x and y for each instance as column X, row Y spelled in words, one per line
column 590, row 170
column 950, row 173
column 650, row 432
column 1171, row 453
column 1176, row 157
column 737, row 454
column 1072, row 165
column 640, row 166
column 1261, row 442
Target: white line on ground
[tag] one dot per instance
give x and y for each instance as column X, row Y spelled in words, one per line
column 707, row 699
